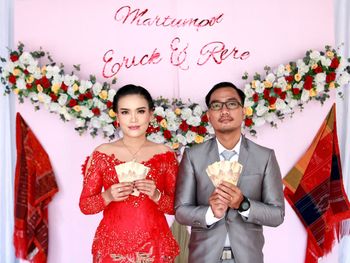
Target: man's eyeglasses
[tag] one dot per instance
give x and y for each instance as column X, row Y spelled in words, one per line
column 231, row 105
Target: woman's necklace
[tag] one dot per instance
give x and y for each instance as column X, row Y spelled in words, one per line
column 133, row 155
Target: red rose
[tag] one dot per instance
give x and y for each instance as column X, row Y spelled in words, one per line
column 81, row 97
column 184, row 126
column 109, row 104
column 167, row 134
column 295, row 91
column 283, row 95
column 36, row 82
column 248, row 122
column 272, row 100
column 202, row 130
column 266, row 93
column 277, row 91
column 116, row 124
column 14, row 57
column 12, row 79
column 204, row 118
column 330, row 77
column 308, row 82
column 29, row 86
column 193, row 129
column 96, row 111
column 88, row 95
column 159, row 118
column 53, row 97
column 319, row 69
column 289, row 79
column 45, row 82
column 334, row 63
column 255, row 97
column 26, row 71
column 64, row 87
column 72, row 103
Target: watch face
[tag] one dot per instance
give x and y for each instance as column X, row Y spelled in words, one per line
column 245, row 205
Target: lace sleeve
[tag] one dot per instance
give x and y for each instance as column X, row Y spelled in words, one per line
column 166, row 201
column 91, row 200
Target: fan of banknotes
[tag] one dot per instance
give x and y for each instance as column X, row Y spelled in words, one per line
column 131, row 171
column 228, row 171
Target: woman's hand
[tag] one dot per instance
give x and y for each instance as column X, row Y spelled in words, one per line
column 117, row 192
column 148, row 187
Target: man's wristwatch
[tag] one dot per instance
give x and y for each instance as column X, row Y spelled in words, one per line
column 245, row 204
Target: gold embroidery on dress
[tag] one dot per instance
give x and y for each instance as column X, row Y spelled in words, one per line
column 141, row 257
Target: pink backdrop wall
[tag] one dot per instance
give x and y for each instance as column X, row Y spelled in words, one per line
column 80, row 32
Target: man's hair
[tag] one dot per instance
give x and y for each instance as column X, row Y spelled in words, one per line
column 224, row 85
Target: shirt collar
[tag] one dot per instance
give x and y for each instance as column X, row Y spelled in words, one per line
column 237, row 147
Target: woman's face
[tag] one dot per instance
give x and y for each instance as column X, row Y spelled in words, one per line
column 133, row 115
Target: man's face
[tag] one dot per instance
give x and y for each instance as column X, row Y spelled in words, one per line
column 226, row 120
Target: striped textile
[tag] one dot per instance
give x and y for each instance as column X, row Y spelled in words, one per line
column 35, row 185
column 314, row 189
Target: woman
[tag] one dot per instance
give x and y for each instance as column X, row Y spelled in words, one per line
column 133, row 228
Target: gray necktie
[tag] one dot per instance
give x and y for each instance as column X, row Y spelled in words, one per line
column 228, row 154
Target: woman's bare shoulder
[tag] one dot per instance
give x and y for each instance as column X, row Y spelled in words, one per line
column 160, row 148
column 108, row 148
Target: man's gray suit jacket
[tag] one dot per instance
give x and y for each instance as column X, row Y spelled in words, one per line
column 260, row 181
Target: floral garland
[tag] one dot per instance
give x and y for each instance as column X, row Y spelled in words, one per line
column 176, row 124
column 294, row 84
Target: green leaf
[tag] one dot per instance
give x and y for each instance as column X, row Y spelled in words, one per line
column 77, row 67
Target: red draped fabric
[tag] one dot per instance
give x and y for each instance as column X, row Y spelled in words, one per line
column 35, row 185
column 314, row 189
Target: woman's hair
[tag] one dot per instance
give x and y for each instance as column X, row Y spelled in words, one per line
column 131, row 89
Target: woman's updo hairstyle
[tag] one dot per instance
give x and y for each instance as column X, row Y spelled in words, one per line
column 131, row 89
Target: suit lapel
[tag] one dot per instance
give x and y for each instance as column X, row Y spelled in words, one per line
column 243, row 157
column 213, row 153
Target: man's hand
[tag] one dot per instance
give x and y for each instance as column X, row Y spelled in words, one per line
column 230, row 194
column 217, row 205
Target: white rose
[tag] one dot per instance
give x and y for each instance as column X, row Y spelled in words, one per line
column 44, row 98
column 320, row 78
column 315, row 55
column 248, row 91
column 21, row 84
column 159, row 111
column 259, row 86
column 344, row 79
column 95, row 123
column 270, row 117
column 156, row 137
column 280, row 71
column 69, row 79
column 170, row 115
column 85, row 112
column 194, row 120
column 280, row 104
column 52, row 71
column 190, row 136
column 108, row 130
column 111, row 94
column 65, row 114
column 99, row 104
column 55, row 107
column 305, row 96
column 84, row 86
column 104, row 117
column 258, row 121
column 248, row 102
column 186, row 113
column 70, row 91
column 172, row 125
column 197, row 111
column 210, row 129
column 62, row 100
column 37, row 73
column 79, row 122
column 96, row 88
column 261, row 109
column 32, row 68
column 282, row 83
column 26, row 58
column 325, row 61
column 270, row 77
column 181, row 139
column 9, row 67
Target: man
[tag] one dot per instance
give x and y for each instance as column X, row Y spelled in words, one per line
column 226, row 222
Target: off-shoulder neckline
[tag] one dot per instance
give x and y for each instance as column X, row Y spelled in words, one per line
column 113, row 157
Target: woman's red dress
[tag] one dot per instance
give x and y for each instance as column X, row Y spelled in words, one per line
column 134, row 230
